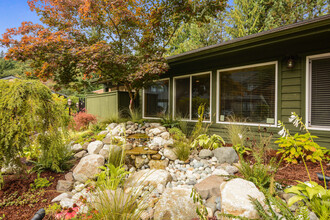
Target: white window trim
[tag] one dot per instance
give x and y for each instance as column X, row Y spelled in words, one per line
column 242, row 67
column 143, row 98
column 309, row 90
column 190, row 96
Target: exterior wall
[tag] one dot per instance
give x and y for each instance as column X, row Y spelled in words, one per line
column 107, row 104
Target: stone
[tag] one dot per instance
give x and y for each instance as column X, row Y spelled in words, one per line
column 235, row 198
column 149, row 177
column 175, row 203
column 231, row 169
column 64, row 186
column 80, row 154
column 103, row 132
column 209, row 187
column 107, row 140
column 95, row 147
column 220, row 172
column 76, row 147
column 139, row 162
column 210, row 203
column 205, row 153
column 88, row 167
column 153, row 125
column 69, row 176
column 117, row 131
column 158, row 164
column 165, row 135
column 128, row 146
column 85, row 145
column 66, row 203
column 62, row 196
column 156, row 156
column 226, row 155
column 169, row 153
column 111, row 126
column 140, row 151
column 312, row 216
column 104, row 153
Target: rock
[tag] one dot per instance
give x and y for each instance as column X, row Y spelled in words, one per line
column 154, row 125
column 140, row 151
column 158, row 164
column 226, row 155
column 95, row 147
column 103, row 132
column 76, row 148
column 62, row 196
column 88, row 167
column 231, row 169
column 104, row 153
column 139, row 162
column 209, row 187
column 111, row 126
column 80, row 154
column 85, row 145
column 165, row 135
column 175, row 203
column 149, row 177
column 107, row 140
column 169, row 153
column 154, row 132
column 205, row 153
column 69, row 176
column 64, row 186
column 220, row 172
column 117, row 131
column 235, row 198
column 209, row 212
column 312, row 216
column 128, row 146
column 66, row 203
column 156, row 156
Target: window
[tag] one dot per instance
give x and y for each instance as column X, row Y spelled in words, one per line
column 248, row 93
column 155, row 100
column 319, row 93
column 189, row 93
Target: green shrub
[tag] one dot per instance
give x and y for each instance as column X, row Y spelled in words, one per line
column 41, row 182
column 111, row 176
column 207, row 142
column 200, row 128
column 177, row 134
column 182, row 150
column 168, row 122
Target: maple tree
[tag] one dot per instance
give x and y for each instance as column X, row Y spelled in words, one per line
column 119, row 41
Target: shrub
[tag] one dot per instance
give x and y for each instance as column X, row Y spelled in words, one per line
column 82, row 120
column 182, row 150
column 207, row 142
column 111, row 176
column 41, row 182
column 177, row 134
column 27, row 107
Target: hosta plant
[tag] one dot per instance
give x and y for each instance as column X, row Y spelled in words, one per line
column 208, row 142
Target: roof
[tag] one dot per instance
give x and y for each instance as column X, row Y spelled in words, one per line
column 9, row 77
column 280, row 31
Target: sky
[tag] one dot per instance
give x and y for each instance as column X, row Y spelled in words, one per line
column 13, row 13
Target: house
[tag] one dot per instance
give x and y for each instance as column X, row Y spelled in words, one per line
column 261, row 78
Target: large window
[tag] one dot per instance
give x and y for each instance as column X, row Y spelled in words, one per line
column 156, row 99
column 189, row 93
column 248, row 93
column 319, row 92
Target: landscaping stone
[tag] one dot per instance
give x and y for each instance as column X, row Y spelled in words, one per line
column 205, row 153
column 117, row 131
column 140, row 151
column 66, row 203
column 175, row 203
column 156, row 156
column 149, row 177
column 104, row 152
column 231, row 169
column 62, row 196
column 235, row 198
column 69, row 176
column 169, row 153
column 85, row 145
column 107, row 140
column 111, row 126
column 95, row 147
column 209, row 187
column 165, row 135
column 220, row 172
column 103, row 132
column 64, row 186
column 88, row 167
column 76, row 147
column 80, row 154
column 226, row 155
column 139, row 162
column 158, row 164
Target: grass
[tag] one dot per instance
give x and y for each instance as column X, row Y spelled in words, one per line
column 236, row 133
column 182, row 150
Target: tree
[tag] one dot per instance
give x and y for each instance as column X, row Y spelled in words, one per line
column 121, row 41
column 195, row 35
column 13, row 68
column 253, row 16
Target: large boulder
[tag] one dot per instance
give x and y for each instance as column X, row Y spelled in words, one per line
column 209, row 187
column 148, row 177
column 226, row 155
column 95, row 147
column 88, row 167
column 235, row 198
column 175, row 203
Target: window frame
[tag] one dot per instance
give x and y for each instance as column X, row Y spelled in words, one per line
column 143, row 98
column 242, row 67
column 308, row 100
column 190, row 95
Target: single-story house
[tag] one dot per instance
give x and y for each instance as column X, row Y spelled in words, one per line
column 262, row 78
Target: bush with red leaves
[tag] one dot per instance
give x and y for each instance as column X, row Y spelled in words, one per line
column 83, row 119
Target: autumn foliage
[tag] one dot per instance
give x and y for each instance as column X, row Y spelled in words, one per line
column 82, row 120
column 119, row 41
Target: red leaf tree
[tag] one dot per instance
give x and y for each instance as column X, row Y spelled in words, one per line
column 120, row 41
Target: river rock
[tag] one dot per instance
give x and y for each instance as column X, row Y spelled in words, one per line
column 94, row 147
column 235, row 198
column 226, row 155
column 175, row 203
column 88, row 167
